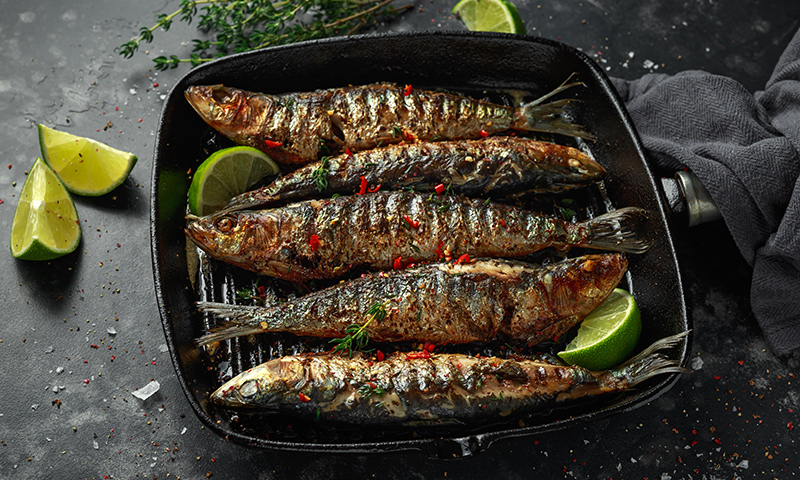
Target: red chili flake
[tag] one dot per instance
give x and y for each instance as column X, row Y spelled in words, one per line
column 262, row 291
column 398, row 263
column 155, row 84
column 502, row 222
column 380, row 356
column 718, row 441
column 362, row 189
column 116, row 109
column 409, row 137
column 372, row 385
column 411, row 223
column 694, row 431
column 118, row 245
column 463, row 259
column 86, row 380
column 348, row 152
column 9, row 166
column 439, row 188
column 484, row 133
column 429, row 347
column 304, row 397
column 407, row 90
column 113, row 357
column 694, row 442
column 717, row 377
column 2, row 202
column 790, row 426
column 314, row 242
column 422, row 354
column 94, row 346
column 741, row 362
column 272, row 143
column 140, row 120
column 374, row 189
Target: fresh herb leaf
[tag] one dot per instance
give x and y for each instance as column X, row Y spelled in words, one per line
column 321, row 175
column 357, row 338
column 244, row 25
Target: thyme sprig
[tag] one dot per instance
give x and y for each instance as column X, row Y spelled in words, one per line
column 357, row 338
column 244, row 25
column 321, row 175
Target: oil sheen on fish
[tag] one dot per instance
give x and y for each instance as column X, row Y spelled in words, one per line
column 403, row 388
column 298, row 128
column 329, row 238
column 442, row 303
column 499, row 166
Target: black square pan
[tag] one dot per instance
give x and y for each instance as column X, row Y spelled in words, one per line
column 462, row 61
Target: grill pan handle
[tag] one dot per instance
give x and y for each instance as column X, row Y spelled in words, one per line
column 688, row 199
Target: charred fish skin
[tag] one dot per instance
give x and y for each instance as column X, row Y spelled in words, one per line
column 404, row 388
column 329, row 238
column 293, row 128
column 476, row 168
column 441, row 303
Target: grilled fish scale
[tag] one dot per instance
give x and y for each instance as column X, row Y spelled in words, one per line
column 442, row 303
column 326, row 239
column 403, row 389
column 296, row 128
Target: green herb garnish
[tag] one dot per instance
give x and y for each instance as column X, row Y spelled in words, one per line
column 357, row 338
column 320, row 175
column 245, row 25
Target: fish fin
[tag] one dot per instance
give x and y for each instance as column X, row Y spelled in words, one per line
column 553, row 117
column 228, row 330
column 622, row 230
column 236, row 313
column 650, row 363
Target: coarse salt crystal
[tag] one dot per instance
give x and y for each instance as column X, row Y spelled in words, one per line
column 147, row 391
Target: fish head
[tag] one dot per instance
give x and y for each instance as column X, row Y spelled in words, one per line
column 224, row 108
column 267, row 385
column 243, row 238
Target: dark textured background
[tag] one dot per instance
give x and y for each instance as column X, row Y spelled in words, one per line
column 732, row 418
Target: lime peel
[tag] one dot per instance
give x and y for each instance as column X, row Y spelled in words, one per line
column 85, row 166
column 489, row 16
column 45, row 224
column 608, row 335
column 225, row 174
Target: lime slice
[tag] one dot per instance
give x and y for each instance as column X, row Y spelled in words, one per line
column 86, row 166
column 225, row 174
column 489, row 16
column 608, row 335
column 45, row 222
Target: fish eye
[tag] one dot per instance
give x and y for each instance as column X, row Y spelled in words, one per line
column 225, row 224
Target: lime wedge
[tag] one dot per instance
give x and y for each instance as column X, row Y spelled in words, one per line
column 608, row 335
column 489, row 16
column 86, row 166
column 225, row 174
column 45, row 222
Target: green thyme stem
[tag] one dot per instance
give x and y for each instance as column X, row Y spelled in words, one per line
column 245, row 25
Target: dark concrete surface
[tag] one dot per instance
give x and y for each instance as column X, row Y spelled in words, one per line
column 81, row 333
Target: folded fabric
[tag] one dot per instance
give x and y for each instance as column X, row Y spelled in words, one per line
column 745, row 148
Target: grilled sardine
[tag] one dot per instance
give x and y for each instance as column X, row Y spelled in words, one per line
column 328, row 238
column 405, row 388
column 299, row 128
column 442, row 303
column 496, row 165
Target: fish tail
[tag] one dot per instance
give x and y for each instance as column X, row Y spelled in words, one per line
column 228, row 330
column 239, row 322
column 650, row 362
column 553, row 117
column 622, row 230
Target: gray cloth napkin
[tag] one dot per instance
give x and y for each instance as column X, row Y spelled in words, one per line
column 745, row 149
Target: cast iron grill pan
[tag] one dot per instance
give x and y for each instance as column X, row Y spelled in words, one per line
column 482, row 65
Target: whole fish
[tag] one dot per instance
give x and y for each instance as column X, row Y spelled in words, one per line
column 409, row 389
column 494, row 165
column 297, row 128
column 442, row 303
column 329, row 238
